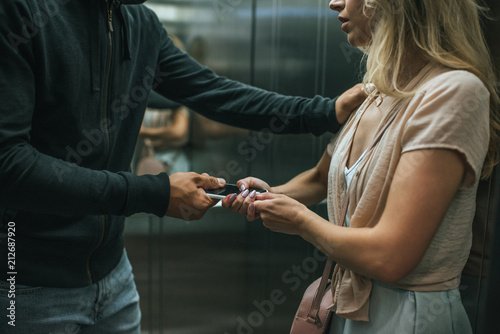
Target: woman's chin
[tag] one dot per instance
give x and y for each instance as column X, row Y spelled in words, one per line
column 355, row 42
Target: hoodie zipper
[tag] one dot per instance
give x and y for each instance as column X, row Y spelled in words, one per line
column 106, row 102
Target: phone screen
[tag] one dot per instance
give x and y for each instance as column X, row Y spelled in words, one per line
column 228, row 190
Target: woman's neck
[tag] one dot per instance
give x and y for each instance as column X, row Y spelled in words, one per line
column 412, row 63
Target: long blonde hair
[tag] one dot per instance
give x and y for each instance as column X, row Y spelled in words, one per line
column 447, row 32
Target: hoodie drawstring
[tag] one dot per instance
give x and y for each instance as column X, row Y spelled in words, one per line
column 125, row 33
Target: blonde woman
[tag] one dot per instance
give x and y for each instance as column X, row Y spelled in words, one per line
column 412, row 197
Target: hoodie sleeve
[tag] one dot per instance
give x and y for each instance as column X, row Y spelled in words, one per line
column 35, row 182
column 233, row 103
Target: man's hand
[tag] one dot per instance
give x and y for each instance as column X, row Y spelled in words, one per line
column 349, row 101
column 188, row 200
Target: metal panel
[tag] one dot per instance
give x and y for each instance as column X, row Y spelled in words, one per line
column 300, row 50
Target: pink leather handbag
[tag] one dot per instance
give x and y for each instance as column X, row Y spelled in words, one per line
column 313, row 316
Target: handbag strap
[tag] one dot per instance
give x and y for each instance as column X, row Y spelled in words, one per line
column 312, row 316
column 318, row 296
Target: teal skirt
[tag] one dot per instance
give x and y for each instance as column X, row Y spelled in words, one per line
column 394, row 310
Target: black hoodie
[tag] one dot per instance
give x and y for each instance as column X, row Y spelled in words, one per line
column 75, row 76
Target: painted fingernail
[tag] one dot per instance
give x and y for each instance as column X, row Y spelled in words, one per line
column 245, row 194
column 221, row 181
column 242, row 187
column 233, row 196
column 251, row 207
column 252, row 194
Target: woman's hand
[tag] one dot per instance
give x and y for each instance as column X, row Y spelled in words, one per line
column 279, row 213
column 253, row 182
column 239, row 203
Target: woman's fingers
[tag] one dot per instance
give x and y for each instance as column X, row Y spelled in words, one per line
column 252, row 182
column 238, row 203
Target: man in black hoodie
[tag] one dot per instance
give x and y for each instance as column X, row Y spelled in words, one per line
column 75, row 76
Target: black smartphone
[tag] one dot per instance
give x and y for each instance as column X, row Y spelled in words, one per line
column 229, row 189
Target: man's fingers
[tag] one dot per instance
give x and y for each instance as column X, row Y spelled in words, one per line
column 210, row 182
column 350, row 100
column 359, row 94
column 214, row 201
column 369, row 88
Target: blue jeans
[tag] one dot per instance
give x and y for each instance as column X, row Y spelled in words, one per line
column 108, row 306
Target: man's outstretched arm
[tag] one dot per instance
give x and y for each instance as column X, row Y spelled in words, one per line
column 233, row 103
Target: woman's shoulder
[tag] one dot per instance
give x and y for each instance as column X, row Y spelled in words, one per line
column 459, row 83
